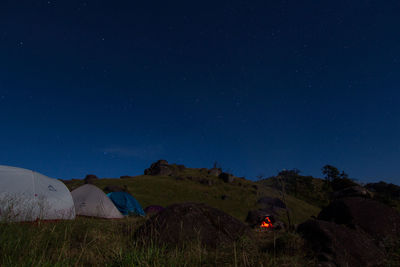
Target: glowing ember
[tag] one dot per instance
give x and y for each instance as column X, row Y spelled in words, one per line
column 266, row 223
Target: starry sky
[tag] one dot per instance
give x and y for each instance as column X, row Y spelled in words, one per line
column 108, row 87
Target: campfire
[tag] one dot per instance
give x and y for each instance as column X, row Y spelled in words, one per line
column 266, row 223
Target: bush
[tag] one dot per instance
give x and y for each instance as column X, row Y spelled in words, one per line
column 342, row 183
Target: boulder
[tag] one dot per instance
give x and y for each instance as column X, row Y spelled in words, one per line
column 338, row 245
column 90, row 178
column 152, row 209
column 215, row 172
column 180, row 167
column 389, row 190
column 226, row 177
column 378, row 220
column 162, row 162
column 160, row 167
column 180, row 224
column 256, row 217
column 271, row 202
column 353, row 191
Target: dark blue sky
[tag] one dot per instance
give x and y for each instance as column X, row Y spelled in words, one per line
column 107, row 87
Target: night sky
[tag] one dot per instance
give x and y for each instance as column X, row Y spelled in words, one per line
column 108, row 87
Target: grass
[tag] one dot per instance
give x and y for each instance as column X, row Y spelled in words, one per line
column 307, row 188
column 240, row 195
column 97, row 242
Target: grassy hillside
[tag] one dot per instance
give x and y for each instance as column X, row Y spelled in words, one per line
column 99, row 242
column 307, row 188
column 190, row 185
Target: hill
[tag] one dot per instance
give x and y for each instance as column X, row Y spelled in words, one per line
column 94, row 241
column 236, row 198
column 306, row 188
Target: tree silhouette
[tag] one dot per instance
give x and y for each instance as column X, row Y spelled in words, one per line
column 330, row 173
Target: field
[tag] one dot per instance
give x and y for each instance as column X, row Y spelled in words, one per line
column 240, row 196
column 99, row 242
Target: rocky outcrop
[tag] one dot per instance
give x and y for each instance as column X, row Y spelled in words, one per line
column 226, row 177
column 271, row 202
column 382, row 188
column 181, row 224
column 352, row 231
column 215, row 172
column 381, row 222
column 338, row 245
column 90, row 178
column 160, row 167
column 270, row 207
column 353, row 191
column 255, row 217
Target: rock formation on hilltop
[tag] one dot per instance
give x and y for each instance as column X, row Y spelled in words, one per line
column 161, row 167
column 90, row 178
column 215, row 172
column 227, row 177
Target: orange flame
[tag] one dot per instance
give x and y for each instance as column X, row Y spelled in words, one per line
column 266, row 223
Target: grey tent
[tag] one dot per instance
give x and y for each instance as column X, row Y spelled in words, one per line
column 26, row 195
column 91, row 201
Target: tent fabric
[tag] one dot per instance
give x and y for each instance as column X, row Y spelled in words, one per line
column 126, row 203
column 92, row 201
column 26, row 195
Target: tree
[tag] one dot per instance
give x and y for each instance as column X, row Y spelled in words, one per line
column 335, row 179
column 344, row 175
column 330, row 173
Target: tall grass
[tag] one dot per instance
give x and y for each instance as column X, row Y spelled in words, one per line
column 97, row 242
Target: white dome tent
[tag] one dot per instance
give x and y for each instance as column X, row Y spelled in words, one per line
column 93, row 202
column 26, row 195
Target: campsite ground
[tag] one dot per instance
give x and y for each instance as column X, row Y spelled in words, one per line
column 95, row 242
